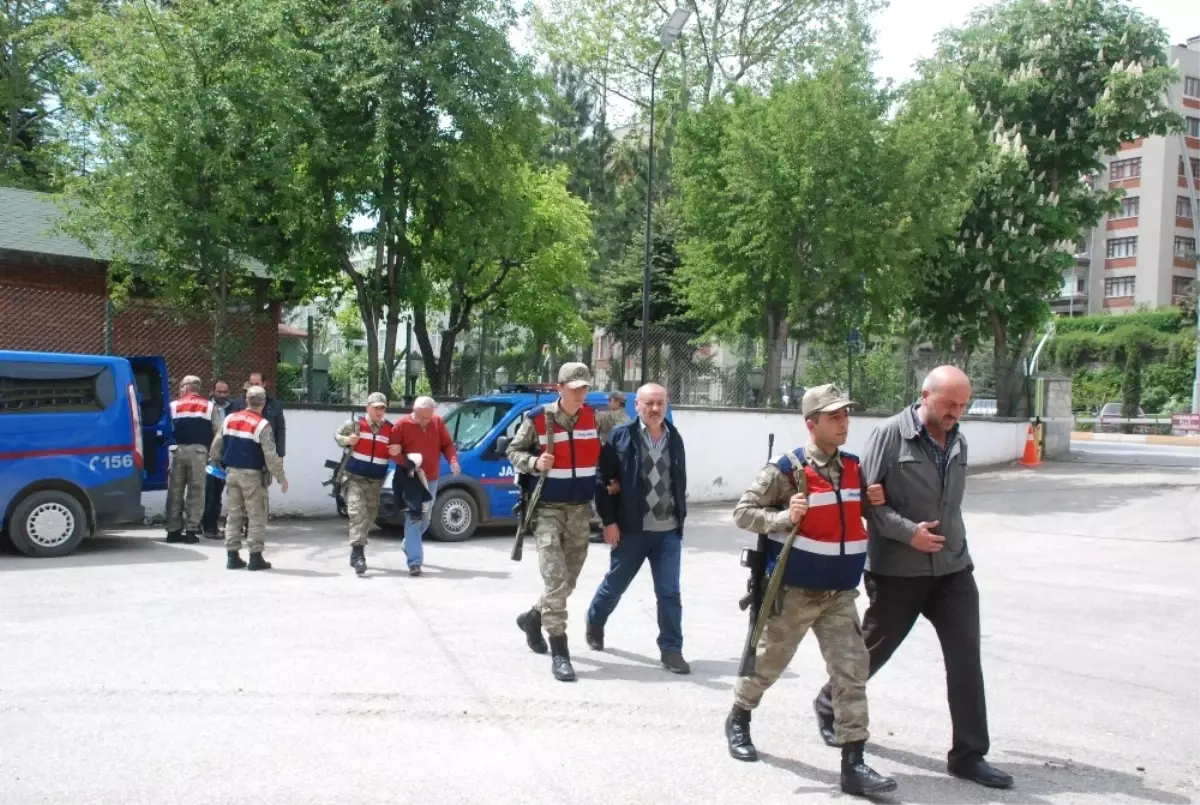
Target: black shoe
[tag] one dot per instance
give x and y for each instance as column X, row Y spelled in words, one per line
column 595, row 637
column 737, row 733
column 560, row 659
column 982, row 772
column 674, row 662
column 191, row 537
column 858, row 777
column 824, row 724
column 257, row 562
column 175, row 536
column 415, row 570
column 531, row 624
column 234, row 561
column 358, row 559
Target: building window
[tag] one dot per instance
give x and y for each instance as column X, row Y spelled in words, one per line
column 1125, row 168
column 1130, row 206
column 1185, row 247
column 1183, row 207
column 1181, row 288
column 1195, row 167
column 1191, row 86
column 1115, row 287
column 1193, row 126
column 1122, row 247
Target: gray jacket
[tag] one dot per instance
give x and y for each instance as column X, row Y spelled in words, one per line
column 897, row 457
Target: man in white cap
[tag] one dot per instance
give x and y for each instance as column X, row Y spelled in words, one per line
column 195, row 422
column 367, row 440
column 561, row 440
column 818, row 491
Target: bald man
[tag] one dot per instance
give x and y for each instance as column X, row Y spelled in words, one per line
column 918, row 563
column 643, row 520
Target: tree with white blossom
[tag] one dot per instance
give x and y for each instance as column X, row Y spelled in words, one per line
column 1053, row 87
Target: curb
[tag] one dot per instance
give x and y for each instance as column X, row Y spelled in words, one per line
column 1135, row 438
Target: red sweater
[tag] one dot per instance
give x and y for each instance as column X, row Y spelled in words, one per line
column 432, row 442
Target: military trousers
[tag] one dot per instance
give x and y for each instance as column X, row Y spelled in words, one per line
column 561, row 531
column 362, row 505
column 246, row 500
column 833, row 618
column 185, row 487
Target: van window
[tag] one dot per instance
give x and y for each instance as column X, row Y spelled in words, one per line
column 149, row 387
column 55, row 388
column 471, row 421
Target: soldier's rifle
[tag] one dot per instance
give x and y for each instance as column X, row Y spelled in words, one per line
column 526, row 519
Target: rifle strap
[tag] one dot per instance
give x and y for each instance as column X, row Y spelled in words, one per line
column 800, row 479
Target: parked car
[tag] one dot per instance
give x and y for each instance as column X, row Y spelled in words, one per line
column 81, row 436
column 1111, row 411
column 485, row 491
column 983, row 407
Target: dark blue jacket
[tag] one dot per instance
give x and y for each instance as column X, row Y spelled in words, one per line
column 622, row 459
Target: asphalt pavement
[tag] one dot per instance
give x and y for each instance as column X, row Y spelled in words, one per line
column 139, row 672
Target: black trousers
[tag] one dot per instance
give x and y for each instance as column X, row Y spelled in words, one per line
column 214, row 487
column 951, row 604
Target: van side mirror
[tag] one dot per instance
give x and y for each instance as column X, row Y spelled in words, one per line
column 502, row 445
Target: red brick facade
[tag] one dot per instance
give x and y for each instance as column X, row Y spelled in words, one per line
column 61, row 307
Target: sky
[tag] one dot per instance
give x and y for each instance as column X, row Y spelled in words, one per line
column 905, row 30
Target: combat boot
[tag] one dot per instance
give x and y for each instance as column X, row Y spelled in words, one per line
column 824, row 724
column 858, row 777
column 531, row 624
column 560, row 659
column 175, row 536
column 234, row 561
column 737, row 732
column 358, row 559
column 191, row 536
column 257, row 562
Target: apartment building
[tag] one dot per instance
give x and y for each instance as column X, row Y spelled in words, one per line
column 1144, row 255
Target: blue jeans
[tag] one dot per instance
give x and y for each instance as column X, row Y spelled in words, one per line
column 414, row 529
column 664, row 549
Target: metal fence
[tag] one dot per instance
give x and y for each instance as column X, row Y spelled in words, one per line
column 321, row 364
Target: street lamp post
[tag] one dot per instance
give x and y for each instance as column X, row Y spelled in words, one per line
column 757, row 378
column 413, row 366
column 501, row 377
column 670, row 33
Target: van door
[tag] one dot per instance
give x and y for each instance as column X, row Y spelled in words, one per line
column 154, row 396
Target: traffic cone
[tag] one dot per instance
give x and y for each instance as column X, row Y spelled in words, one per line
column 1030, row 459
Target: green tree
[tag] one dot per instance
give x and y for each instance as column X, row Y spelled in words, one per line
column 174, row 100
column 1053, row 87
column 793, row 207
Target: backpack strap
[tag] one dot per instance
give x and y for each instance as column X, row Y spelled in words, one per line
column 798, row 475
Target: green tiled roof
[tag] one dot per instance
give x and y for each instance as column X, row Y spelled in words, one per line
column 27, row 221
column 27, row 224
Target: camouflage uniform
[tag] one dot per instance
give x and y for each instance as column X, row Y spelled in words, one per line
column 186, row 480
column 247, row 495
column 361, row 494
column 831, row 614
column 560, row 529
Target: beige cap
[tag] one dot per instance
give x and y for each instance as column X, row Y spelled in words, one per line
column 824, row 399
column 256, row 393
column 376, row 398
column 573, row 375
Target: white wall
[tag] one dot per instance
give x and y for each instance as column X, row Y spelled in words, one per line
column 726, row 449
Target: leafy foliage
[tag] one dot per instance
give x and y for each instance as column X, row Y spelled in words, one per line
column 1053, row 85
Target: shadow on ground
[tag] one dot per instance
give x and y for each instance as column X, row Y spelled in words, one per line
column 1036, row 779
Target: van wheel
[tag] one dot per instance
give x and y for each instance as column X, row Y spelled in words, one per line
column 48, row 523
column 455, row 516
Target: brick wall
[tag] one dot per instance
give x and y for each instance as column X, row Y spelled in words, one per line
column 58, row 308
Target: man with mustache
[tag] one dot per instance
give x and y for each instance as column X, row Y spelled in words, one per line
column 918, row 564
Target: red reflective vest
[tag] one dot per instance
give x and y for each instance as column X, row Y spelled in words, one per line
column 241, row 446
column 191, row 420
column 369, row 456
column 830, row 551
column 576, row 455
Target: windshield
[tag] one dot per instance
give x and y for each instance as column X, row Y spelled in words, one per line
column 471, row 421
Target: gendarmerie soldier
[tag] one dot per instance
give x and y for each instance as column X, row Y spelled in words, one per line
column 195, row 421
column 818, row 491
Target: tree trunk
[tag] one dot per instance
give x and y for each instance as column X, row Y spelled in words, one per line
column 1009, row 366
column 777, row 334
